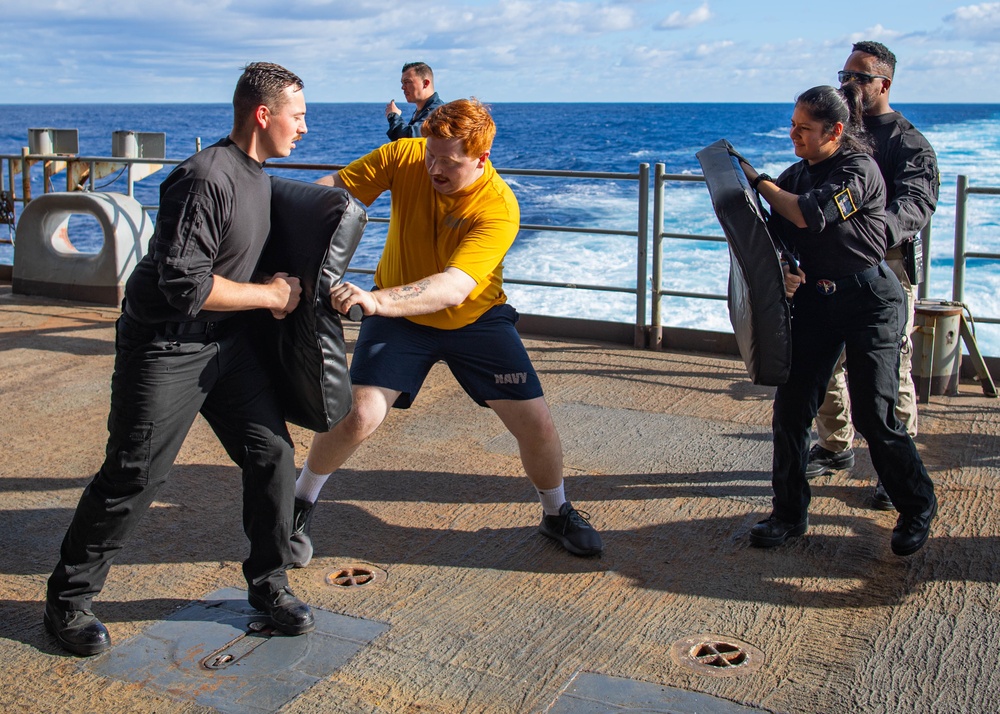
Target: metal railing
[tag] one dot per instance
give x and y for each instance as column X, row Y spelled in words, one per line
column 641, row 235
column 661, row 177
column 54, row 163
column 646, row 333
column 962, row 192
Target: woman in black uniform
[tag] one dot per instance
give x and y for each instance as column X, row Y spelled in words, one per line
column 829, row 209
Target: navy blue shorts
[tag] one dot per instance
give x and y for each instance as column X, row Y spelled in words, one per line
column 487, row 357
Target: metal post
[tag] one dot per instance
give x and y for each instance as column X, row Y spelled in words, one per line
column 958, row 274
column 642, row 251
column 10, row 176
column 25, row 176
column 656, row 332
column 925, row 247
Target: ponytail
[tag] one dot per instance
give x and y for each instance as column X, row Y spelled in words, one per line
column 829, row 105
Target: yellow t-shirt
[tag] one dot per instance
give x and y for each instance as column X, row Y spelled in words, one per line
column 471, row 230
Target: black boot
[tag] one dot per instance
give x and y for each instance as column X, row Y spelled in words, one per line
column 287, row 613
column 773, row 531
column 300, row 541
column 911, row 532
column 78, row 631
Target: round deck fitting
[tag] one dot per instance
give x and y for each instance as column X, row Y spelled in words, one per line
column 716, row 655
column 355, row 575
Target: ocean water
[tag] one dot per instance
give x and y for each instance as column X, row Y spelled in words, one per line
column 585, row 137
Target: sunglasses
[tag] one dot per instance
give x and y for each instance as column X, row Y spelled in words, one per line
column 860, row 77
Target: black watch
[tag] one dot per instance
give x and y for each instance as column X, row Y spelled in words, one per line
column 760, row 177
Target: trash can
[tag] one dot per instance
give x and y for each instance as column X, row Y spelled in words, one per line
column 937, row 348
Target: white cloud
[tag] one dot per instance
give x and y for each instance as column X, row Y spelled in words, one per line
column 713, row 49
column 945, row 60
column 976, row 22
column 59, row 11
column 877, row 33
column 318, row 10
column 501, row 50
column 536, row 18
column 679, row 21
column 650, row 58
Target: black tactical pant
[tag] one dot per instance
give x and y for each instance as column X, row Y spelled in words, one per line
column 865, row 318
column 164, row 376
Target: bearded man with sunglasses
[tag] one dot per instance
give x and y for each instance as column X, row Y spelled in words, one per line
column 909, row 168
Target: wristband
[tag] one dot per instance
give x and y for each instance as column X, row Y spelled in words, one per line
column 760, row 177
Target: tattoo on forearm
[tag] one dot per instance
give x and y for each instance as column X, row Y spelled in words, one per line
column 408, row 292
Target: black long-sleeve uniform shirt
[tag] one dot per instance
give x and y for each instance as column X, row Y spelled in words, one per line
column 214, row 218
column 842, row 199
column 910, row 171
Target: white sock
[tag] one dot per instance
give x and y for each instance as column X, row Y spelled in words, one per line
column 308, row 484
column 552, row 499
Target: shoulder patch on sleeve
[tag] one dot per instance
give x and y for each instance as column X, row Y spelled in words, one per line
column 845, row 202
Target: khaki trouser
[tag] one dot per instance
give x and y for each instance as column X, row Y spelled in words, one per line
column 833, row 421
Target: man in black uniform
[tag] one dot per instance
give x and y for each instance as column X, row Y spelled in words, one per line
column 180, row 350
column 909, row 168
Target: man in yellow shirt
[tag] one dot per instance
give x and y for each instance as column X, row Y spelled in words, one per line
column 440, row 297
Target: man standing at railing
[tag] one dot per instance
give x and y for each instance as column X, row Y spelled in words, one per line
column 440, row 297
column 417, row 83
column 181, row 349
column 909, row 168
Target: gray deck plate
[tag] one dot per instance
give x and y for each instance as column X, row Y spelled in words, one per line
column 590, row 693
column 168, row 656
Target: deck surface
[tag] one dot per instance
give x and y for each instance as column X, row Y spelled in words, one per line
column 668, row 452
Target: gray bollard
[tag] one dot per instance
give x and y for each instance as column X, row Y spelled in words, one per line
column 46, row 264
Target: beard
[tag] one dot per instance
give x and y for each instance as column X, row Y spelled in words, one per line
column 868, row 101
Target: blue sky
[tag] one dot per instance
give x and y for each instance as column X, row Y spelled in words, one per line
column 71, row 51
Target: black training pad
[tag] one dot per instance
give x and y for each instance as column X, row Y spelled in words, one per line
column 760, row 314
column 314, row 233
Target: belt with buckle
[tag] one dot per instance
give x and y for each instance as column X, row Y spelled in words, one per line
column 191, row 328
column 187, row 328
column 829, row 287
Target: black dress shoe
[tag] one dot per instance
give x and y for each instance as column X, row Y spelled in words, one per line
column 911, row 532
column 773, row 531
column 78, row 631
column 287, row 613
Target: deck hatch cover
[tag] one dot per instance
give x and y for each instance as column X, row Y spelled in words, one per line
column 716, row 655
column 719, row 654
column 219, row 652
column 355, row 575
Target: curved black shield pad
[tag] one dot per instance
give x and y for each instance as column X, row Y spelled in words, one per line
column 760, row 314
column 314, row 233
